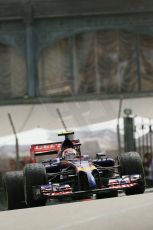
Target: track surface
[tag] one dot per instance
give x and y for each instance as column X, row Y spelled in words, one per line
column 125, row 212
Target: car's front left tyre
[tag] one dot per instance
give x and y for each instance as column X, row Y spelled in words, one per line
column 131, row 164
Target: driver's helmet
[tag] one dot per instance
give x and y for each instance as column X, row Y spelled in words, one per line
column 69, row 154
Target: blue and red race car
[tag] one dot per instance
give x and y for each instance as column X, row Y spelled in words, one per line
column 59, row 171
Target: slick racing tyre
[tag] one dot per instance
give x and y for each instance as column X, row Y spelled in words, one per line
column 130, row 164
column 14, row 191
column 34, row 175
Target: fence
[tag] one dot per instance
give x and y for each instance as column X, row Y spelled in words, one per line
column 138, row 136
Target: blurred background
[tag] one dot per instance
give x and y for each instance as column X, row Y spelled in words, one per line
column 93, row 60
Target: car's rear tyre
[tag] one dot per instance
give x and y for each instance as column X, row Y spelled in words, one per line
column 14, row 190
column 34, row 175
column 130, row 164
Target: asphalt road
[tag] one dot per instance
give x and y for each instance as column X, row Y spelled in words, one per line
column 124, row 212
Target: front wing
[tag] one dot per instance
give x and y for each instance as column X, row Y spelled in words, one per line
column 56, row 191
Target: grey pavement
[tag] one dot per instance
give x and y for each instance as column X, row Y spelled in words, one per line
column 124, row 212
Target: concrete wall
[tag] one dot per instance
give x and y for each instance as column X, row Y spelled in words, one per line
column 32, row 26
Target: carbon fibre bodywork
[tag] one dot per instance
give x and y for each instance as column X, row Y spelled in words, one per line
column 82, row 178
column 52, row 175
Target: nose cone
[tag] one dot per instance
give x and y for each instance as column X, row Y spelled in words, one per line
column 91, row 180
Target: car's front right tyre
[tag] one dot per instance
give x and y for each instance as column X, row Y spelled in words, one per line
column 34, row 175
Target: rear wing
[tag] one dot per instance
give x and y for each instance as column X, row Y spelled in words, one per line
column 51, row 149
column 44, row 149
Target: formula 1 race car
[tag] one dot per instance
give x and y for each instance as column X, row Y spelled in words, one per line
column 59, row 171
